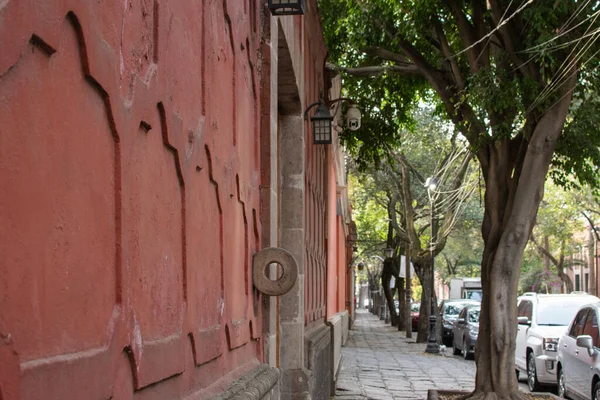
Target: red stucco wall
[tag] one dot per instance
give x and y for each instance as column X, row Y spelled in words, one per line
column 342, row 283
column 332, row 241
column 129, row 206
column 316, row 179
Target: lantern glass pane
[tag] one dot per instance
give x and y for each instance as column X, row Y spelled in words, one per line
column 322, row 130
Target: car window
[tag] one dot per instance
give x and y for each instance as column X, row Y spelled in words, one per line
column 475, row 296
column 556, row 312
column 474, row 315
column 454, row 308
column 591, row 326
column 525, row 309
column 415, row 307
column 578, row 323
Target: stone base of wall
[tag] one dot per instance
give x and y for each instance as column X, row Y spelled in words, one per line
column 262, row 383
column 339, row 334
column 319, row 361
column 346, row 323
column 315, row 381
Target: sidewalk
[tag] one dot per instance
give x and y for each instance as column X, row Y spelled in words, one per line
column 379, row 363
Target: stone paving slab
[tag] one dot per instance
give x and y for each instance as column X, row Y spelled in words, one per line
column 380, row 363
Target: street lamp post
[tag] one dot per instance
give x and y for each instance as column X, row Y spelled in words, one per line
column 408, row 292
column 432, row 344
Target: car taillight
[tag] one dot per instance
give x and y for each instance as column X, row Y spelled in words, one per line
column 550, row 343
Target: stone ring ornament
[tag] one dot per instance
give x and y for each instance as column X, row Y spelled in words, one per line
column 260, row 271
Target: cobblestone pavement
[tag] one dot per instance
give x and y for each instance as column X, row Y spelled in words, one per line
column 380, row 363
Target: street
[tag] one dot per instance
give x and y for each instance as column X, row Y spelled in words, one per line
column 379, row 363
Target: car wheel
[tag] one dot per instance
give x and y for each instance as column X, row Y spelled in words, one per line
column 465, row 350
column 596, row 392
column 561, row 391
column 532, row 381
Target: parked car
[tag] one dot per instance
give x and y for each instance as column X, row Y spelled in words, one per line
column 465, row 331
column 414, row 314
column 578, row 365
column 449, row 310
column 542, row 319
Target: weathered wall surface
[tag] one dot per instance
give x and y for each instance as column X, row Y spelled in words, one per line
column 129, row 209
column 316, row 179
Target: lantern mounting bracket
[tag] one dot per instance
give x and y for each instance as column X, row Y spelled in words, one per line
column 316, row 103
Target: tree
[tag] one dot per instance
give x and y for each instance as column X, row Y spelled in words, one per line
column 371, row 225
column 554, row 236
column 507, row 74
column 398, row 179
column 462, row 254
column 591, row 212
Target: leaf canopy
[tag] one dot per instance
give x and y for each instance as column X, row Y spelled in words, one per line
column 493, row 69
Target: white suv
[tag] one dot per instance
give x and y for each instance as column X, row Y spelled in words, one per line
column 542, row 319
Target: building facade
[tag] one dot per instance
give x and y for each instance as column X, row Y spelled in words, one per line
column 154, row 160
column 585, row 264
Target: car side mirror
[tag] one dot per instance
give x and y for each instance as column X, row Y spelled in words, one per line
column 586, row 342
column 460, row 321
column 523, row 321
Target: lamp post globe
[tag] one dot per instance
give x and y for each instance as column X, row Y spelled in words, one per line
column 388, row 252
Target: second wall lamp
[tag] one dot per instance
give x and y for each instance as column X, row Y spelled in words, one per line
column 322, row 119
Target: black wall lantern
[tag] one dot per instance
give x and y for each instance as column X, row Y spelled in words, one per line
column 322, row 120
column 286, row 7
column 321, row 123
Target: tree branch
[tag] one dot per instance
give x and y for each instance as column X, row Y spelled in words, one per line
column 507, row 33
column 592, row 225
column 466, row 32
column 543, row 251
column 387, row 55
column 409, row 212
column 479, row 8
column 376, row 70
column 439, row 31
column 391, row 209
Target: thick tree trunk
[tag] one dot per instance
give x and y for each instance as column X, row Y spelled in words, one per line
column 514, row 189
column 427, row 296
column 546, row 260
column 401, row 321
column 564, row 277
column 386, row 276
column 375, row 290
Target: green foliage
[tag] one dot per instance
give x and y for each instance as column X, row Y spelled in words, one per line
column 463, row 251
column 369, row 215
column 430, row 149
column 494, row 89
column 416, row 289
column 535, row 279
column 559, row 217
column 386, row 110
column 494, row 70
column 560, row 229
column 578, row 153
